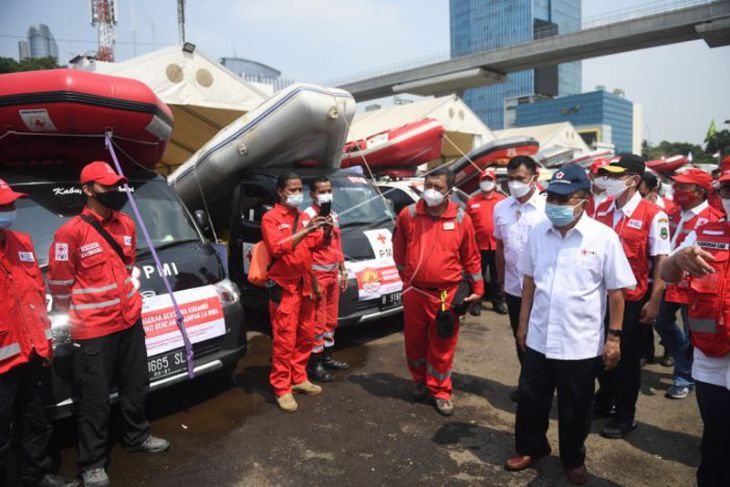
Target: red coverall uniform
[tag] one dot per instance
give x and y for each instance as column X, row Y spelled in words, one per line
column 433, row 255
column 24, row 346
column 291, row 304
column 326, row 263
column 481, row 210
column 87, row 278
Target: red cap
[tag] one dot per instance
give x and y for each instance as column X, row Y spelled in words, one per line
column 598, row 163
column 694, row 176
column 725, row 169
column 102, row 173
column 7, row 195
column 488, row 174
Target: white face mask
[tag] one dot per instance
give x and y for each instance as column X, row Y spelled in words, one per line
column 294, row 200
column 433, row 197
column 599, row 183
column 518, row 189
column 726, row 205
column 614, row 187
column 324, row 198
column 486, row 185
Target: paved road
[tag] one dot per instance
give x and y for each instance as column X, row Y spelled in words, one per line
column 364, row 430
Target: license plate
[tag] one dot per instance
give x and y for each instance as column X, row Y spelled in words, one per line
column 166, row 364
column 390, row 300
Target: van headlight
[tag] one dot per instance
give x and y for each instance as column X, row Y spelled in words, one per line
column 227, row 292
column 61, row 329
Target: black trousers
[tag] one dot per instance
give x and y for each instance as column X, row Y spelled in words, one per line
column 489, row 274
column 621, row 385
column 513, row 308
column 714, row 403
column 23, row 398
column 574, row 380
column 120, row 360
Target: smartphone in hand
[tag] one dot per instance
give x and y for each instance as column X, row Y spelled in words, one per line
column 325, row 209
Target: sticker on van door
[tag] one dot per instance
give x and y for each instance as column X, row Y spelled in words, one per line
column 374, row 278
column 381, row 241
column 247, row 254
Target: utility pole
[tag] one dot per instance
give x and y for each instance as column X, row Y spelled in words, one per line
column 104, row 17
column 181, row 20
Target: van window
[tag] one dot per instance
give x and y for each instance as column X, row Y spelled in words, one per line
column 355, row 201
column 399, row 198
column 50, row 205
column 255, row 201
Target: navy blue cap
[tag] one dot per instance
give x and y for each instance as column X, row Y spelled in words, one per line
column 568, row 180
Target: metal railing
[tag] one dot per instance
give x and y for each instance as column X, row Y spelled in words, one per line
column 652, row 8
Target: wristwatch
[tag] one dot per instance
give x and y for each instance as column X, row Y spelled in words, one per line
column 614, row 332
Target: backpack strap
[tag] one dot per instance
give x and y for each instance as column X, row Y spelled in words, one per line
column 105, row 235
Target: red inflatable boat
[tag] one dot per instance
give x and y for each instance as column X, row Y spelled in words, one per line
column 669, row 164
column 398, row 151
column 498, row 152
column 61, row 115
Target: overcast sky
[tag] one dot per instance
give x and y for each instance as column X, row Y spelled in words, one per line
column 681, row 87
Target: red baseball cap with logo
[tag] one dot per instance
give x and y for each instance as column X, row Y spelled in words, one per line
column 7, row 195
column 694, row 176
column 102, row 173
column 725, row 169
column 598, row 163
column 487, row 174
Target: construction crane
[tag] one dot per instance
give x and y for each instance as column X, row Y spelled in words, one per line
column 104, row 18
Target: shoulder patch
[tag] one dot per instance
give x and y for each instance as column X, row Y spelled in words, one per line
column 61, row 252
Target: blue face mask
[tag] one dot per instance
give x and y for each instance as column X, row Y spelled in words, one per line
column 7, row 218
column 560, row 215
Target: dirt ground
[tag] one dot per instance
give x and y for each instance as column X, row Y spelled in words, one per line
column 365, row 430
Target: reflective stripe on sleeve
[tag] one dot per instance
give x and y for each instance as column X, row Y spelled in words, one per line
column 324, row 267
column 103, row 304
column 55, row 282
column 87, row 290
column 132, row 293
column 435, row 373
column 475, row 277
column 9, row 351
column 702, row 325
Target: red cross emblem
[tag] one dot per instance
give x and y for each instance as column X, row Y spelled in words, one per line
column 38, row 123
column 583, row 252
column 249, row 255
column 381, row 238
column 559, row 175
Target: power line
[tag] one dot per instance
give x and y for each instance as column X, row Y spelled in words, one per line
column 81, row 41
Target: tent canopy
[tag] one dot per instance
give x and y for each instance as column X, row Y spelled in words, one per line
column 203, row 94
column 463, row 127
column 550, row 135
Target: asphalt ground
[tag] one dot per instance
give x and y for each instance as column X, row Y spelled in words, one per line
column 365, row 430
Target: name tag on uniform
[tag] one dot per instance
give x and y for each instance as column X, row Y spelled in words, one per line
column 700, row 222
column 26, row 256
column 637, row 224
column 449, row 225
column 90, row 249
column 284, row 226
column 127, row 240
column 477, row 205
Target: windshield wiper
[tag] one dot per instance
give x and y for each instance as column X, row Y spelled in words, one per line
column 365, row 224
column 167, row 245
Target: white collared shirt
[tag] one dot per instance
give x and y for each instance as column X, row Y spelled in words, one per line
column 572, row 275
column 513, row 222
column 712, row 370
column 659, row 243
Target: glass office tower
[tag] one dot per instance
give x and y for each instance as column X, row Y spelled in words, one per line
column 479, row 25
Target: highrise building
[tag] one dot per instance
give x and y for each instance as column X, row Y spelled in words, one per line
column 41, row 41
column 23, row 50
column 479, row 25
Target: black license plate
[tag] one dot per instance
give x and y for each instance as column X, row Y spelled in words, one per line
column 390, row 300
column 166, row 364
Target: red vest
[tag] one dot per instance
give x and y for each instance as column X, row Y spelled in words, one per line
column 678, row 293
column 709, row 305
column 481, row 210
column 24, row 325
column 634, row 235
column 591, row 208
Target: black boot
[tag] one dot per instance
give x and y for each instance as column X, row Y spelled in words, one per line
column 331, row 363
column 475, row 308
column 315, row 370
column 499, row 307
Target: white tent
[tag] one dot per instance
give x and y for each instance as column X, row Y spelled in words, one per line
column 463, row 128
column 203, row 94
column 559, row 142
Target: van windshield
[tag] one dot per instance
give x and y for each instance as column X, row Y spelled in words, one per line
column 49, row 205
column 355, row 201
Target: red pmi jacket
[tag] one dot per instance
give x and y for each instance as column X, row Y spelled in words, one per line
column 87, row 277
column 326, row 258
column 635, row 242
column 436, row 253
column 678, row 293
column 24, row 325
column 291, row 266
column 709, row 296
column 481, row 210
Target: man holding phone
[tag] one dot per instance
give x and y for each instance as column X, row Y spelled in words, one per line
column 328, row 267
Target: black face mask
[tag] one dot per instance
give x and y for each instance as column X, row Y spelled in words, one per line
column 114, row 199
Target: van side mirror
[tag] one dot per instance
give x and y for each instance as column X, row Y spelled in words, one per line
column 203, row 221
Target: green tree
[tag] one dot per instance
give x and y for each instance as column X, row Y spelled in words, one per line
column 719, row 141
column 10, row 65
column 668, row 149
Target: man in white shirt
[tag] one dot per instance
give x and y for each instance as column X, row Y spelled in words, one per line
column 514, row 218
column 572, row 265
column 704, row 256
